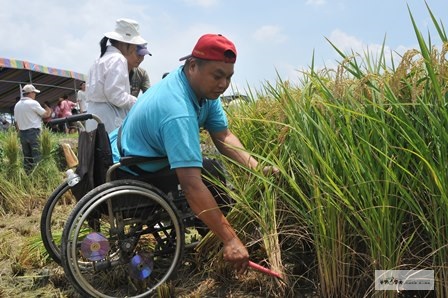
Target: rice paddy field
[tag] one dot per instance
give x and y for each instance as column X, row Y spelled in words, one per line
column 362, row 151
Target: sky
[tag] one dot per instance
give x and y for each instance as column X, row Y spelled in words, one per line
column 274, row 39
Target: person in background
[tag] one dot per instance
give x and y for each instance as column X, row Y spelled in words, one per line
column 11, row 110
column 157, row 127
column 138, row 77
column 4, row 124
column 65, row 106
column 65, row 110
column 108, row 89
column 81, row 97
column 45, row 120
column 28, row 115
column 56, row 113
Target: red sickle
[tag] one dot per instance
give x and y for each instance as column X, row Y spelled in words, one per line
column 264, row 270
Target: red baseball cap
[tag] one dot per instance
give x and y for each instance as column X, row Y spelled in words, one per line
column 213, row 47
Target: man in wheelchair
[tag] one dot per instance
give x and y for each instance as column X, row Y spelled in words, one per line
column 166, row 121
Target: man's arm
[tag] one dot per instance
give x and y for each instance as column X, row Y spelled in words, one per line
column 229, row 145
column 47, row 111
column 206, row 209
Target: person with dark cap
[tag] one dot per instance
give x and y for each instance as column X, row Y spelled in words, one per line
column 108, row 89
column 28, row 114
column 165, row 122
column 138, row 77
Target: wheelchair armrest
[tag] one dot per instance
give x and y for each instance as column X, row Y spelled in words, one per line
column 130, row 161
column 133, row 160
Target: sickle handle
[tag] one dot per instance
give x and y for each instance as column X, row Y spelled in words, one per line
column 264, row 270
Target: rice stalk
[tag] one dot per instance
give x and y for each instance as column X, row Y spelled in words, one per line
column 12, row 164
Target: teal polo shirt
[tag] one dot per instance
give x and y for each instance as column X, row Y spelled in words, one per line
column 165, row 121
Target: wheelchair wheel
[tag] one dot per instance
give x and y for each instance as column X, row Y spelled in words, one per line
column 54, row 215
column 123, row 239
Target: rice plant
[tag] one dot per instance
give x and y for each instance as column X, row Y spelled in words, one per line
column 47, row 175
column 12, row 157
column 362, row 155
column 21, row 192
column 13, row 177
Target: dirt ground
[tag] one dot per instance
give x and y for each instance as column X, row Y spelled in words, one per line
column 24, row 275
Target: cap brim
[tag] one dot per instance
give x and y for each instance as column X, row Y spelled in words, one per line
column 35, row 91
column 143, row 52
column 184, row 57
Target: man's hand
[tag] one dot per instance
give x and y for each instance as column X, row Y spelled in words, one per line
column 236, row 253
column 270, row 170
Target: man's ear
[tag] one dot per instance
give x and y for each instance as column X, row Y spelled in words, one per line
column 192, row 64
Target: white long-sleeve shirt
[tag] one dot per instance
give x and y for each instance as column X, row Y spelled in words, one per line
column 108, row 89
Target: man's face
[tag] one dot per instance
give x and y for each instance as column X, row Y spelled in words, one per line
column 32, row 95
column 210, row 79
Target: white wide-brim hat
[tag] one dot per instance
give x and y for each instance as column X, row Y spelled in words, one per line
column 127, row 31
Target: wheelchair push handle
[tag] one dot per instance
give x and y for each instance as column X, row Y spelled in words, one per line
column 75, row 118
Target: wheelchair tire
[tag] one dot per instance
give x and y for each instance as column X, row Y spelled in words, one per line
column 54, row 215
column 123, row 239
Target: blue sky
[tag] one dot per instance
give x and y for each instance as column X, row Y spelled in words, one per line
column 271, row 36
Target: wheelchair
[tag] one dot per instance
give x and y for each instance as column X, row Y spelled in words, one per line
column 63, row 199
column 114, row 238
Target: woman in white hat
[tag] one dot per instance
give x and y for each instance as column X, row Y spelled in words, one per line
column 108, row 88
